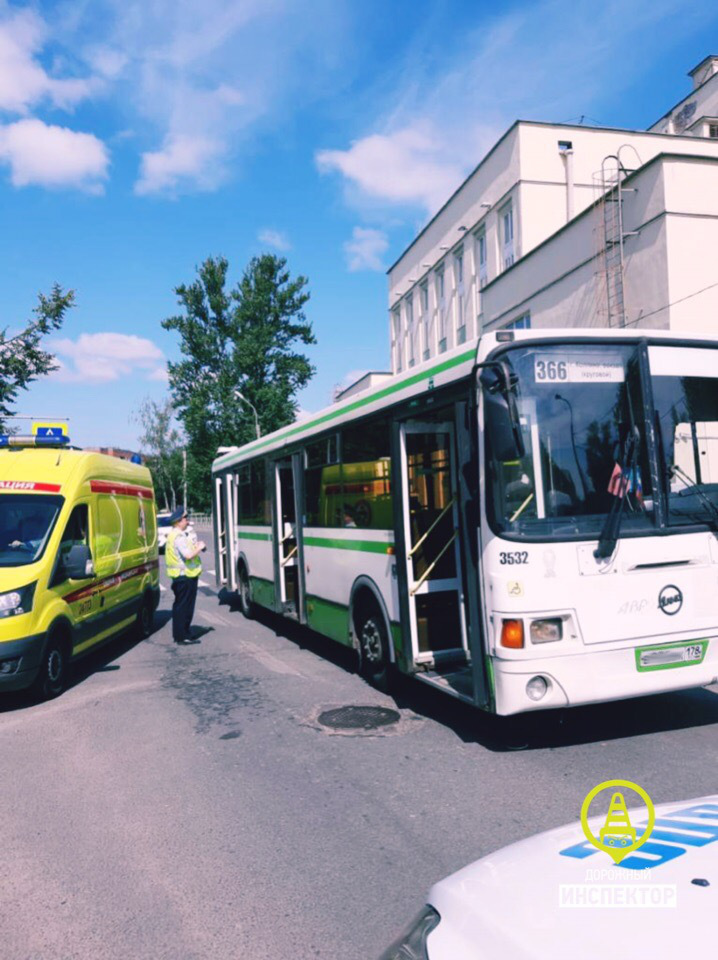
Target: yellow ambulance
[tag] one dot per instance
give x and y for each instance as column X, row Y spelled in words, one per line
column 78, row 557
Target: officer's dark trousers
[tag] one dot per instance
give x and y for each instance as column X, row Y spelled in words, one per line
column 185, row 591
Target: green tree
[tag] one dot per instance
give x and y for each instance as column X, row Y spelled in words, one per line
column 241, row 339
column 22, row 358
column 161, row 444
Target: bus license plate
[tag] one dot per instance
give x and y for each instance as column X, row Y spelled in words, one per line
column 675, row 655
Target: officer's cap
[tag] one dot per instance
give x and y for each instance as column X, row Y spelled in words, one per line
column 177, row 515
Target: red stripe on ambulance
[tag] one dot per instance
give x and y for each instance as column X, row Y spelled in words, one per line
column 114, row 581
column 121, row 489
column 29, row 485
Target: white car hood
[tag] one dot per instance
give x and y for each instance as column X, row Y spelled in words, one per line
column 506, row 906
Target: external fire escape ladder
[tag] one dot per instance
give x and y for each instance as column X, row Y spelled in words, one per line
column 613, row 173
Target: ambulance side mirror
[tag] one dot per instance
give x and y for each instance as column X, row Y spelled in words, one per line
column 78, row 563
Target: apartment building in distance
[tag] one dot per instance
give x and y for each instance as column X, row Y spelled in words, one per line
column 566, row 225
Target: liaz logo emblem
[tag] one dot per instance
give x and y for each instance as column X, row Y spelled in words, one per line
column 670, row 600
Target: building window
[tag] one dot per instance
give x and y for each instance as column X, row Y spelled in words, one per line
column 459, row 284
column 424, row 322
column 441, row 307
column 396, row 339
column 482, row 259
column 520, row 323
column 507, row 235
column 713, row 131
column 410, row 331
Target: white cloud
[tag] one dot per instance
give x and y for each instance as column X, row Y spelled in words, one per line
column 198, row 78
column 45, row 155
column 102, row 357
column 183, row 161
column 160, row 374
column 24, row 82
column 365, row 249
column 107, row 61
column 275, row 239
column 451, row 101
column 411, row 166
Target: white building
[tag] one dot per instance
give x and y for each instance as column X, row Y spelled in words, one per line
column 563, row 225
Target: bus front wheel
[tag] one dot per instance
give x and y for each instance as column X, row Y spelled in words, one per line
column 374, row 648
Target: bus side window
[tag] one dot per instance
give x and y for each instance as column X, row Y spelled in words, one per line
column 365, row 499
column 322, row 483
column 253, row 505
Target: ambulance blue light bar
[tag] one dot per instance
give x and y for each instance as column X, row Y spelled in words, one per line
column 8, row 440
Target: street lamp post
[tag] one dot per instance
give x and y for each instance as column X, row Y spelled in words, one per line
column 239, row 396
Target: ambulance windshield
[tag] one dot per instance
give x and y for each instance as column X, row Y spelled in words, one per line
column 26, row 522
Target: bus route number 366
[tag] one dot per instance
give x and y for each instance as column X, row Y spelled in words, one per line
column 551, row 370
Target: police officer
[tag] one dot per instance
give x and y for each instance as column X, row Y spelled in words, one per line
column 183, row 568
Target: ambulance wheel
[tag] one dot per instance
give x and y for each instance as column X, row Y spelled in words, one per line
column 245, row 594
column 375, row 664
column 145, row 619
column 54, row 668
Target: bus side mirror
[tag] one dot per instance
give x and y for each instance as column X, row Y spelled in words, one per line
column 501, row 415
column 77, row 565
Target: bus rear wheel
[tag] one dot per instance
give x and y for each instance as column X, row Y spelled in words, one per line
column 245, row 594
column 375, row 665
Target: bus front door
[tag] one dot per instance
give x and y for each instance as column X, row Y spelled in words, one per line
column 289, row 582
column 431, row 541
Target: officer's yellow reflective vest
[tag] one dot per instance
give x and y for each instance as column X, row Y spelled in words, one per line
column 177, row 566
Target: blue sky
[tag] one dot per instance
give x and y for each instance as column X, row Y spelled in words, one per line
column 137, row 138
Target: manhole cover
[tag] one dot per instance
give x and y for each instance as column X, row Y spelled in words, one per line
column 358, row 718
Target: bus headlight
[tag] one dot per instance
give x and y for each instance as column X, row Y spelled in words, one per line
column 412, row 945
column 546, row 631
column 536, row 688
column 15, row 602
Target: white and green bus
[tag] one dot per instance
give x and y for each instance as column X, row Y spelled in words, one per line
column 526, row 524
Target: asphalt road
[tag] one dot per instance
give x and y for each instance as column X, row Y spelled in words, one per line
column 183, row 803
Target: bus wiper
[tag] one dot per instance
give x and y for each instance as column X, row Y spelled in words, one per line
column 612, row 524
column 693, row 487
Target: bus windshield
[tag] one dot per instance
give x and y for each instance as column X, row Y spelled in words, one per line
column 26, row 522
column 581, row 414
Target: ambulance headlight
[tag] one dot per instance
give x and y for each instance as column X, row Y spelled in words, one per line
column 412, row 945
column 546, row 631
column 16, row 602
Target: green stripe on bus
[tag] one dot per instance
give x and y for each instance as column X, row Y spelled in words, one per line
column 263, row 592
column 329, row 618
column 379, row 395
column 242, row 535
column 367, row 546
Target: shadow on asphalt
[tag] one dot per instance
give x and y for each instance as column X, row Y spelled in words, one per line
column 101, row 660
column 540, row 730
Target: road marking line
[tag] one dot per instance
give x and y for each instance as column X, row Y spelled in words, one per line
column 163, row 589
column 214, row 618
column 270, row 661
column 203, row 584
column 212, row 573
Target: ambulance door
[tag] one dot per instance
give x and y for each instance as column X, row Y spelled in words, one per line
column 81, row 596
